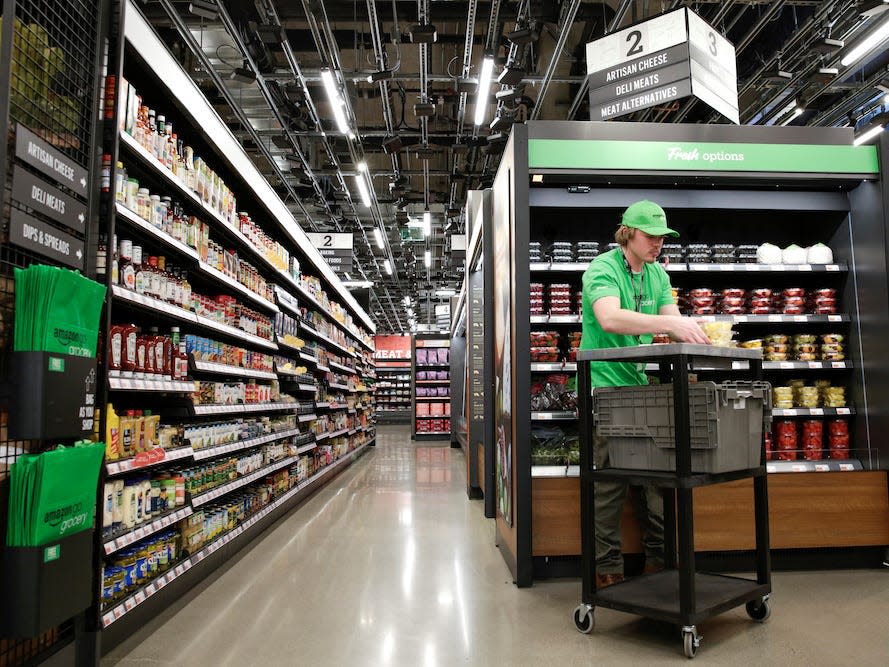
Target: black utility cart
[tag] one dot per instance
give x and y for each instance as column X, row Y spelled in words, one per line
column 677, row 595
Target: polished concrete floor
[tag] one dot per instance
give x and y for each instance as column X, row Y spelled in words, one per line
column 392, row 565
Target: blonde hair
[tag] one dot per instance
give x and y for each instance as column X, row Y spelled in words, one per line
column 623, row 235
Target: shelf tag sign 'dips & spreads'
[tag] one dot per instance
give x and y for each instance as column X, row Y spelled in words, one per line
column 659, row 61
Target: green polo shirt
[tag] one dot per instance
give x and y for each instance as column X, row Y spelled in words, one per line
column 607, row 276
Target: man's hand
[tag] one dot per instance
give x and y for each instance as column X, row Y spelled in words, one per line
column 686, row 330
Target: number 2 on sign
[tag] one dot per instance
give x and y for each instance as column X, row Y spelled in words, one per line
column 635, row 37
column 328, row 241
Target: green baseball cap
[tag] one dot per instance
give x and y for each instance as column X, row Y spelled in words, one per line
column 649, row 217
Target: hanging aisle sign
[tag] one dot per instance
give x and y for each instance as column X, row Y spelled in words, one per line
column 336, row 249
column 664, row 59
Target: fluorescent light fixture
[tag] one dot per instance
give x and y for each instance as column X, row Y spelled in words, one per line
column 427, row 258
column 357, row 284
column 868, row 135
column 378, row 235
column 427, row 224
column 406, row 301
column 336, row 100
column 865, row 46
column 362, row 190
column 447, row 291
column 484, row 85
column 871, row 8
column 388, row 266
column 205, row 10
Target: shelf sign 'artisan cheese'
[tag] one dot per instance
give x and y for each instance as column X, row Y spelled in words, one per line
column 659, row 61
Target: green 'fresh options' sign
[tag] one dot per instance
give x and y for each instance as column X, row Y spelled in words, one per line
column 694, row 156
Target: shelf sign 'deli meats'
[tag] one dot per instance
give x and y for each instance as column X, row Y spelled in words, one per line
column 659, row 61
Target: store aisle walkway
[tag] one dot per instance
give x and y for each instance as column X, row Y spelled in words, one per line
column 392, row 565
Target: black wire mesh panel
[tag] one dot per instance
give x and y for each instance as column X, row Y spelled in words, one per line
column 50, row 84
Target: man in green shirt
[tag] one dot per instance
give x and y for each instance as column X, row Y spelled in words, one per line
column 626, row 300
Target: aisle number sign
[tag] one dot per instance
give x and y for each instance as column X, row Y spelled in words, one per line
column 336, row 249
column 664, row 59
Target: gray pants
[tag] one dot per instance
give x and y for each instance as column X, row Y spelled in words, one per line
column 610, row 497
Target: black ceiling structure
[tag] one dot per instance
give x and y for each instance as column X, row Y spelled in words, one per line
column 406, row 73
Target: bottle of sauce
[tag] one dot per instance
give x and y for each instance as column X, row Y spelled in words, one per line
column 154, row 275
column 141, row 352
column 115, row 347
column 168, row 357
column 127, row 271
column 128, row 358
column 138, row 273
column 186, row 291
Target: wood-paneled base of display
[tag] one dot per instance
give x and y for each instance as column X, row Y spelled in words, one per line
column 806, row 510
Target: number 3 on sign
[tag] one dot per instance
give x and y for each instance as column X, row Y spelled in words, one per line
column 711, row 39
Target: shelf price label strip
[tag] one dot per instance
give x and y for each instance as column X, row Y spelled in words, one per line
column 144, row 531
column 243, row 444
column 120, row 467
column 150, row 589
column 224, row 369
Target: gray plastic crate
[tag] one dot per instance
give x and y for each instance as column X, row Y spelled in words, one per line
column 727, row 422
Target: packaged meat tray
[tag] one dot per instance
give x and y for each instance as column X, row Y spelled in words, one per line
column 545, row 354
column 544, row 339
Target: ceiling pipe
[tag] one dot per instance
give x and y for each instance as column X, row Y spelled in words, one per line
column 612, row 26
column 565, row 29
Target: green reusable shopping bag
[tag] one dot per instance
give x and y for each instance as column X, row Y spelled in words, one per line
column 53, row 494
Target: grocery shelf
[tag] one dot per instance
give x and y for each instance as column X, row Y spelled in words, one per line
column 120, row 383
column 682, row 267
column 235, row 333
column 773, row 319
column 136, row 221
column 302, row 386
column 324, row 339
column 422, row 366
column 433, row 381
column 812, row 412
column 150, row 303
column 432, row 398
column 284, row 345
column 555, row 471
column 304, row 293
column 555, row 319
column 225, row 369
column 154, row 526
column 221, row 277
column 287, row 301
column 306, row 418
column 344, row 369
column 813, row 466
column 119, row 610
column 242, row 407
column 308, row 358
column 343, row 387
column 207, row 212
column 322, row 404
column 307, row 448
column 144, row 460
column 281, row 371
column 212, row 494
column 559, row 267
column 321, row 367
column 219, row 450
column 759, row 268
column 554, row 415
column 334, row 434
column 546, row 367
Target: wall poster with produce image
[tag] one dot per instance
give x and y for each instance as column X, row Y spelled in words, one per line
column 503, row 356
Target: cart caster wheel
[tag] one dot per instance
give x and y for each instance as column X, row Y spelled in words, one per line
column 759, row 610
column 584, row 620
column 691, row 640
